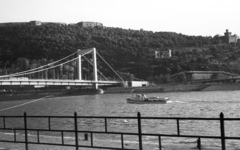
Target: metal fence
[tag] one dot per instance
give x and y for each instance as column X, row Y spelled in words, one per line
column 76, row 131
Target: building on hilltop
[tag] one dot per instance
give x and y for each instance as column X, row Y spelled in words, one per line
column 90, row 24
column 35, row 23
column 39, row 23
column 54, row 23
column 31, row 23
column 72, row 24
column 166, row 53
column 8, row 24
column 229, row 38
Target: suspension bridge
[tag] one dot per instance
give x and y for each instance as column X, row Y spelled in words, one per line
column 77, row 69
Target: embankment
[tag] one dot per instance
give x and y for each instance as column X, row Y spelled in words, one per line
column 160, row 88
column 24, row 95
column 183, row 87
column 134, row 89
column 223, row 87
column 176, row 88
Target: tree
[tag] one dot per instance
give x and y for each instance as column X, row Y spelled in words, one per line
column 22, row 64
column 213, row 49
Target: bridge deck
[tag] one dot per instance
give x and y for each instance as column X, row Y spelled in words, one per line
column 56, row 82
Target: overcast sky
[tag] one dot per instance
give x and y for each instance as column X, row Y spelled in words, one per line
column 190, row 17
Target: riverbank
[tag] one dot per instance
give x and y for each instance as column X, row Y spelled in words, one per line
column 145, row 89
column 36, row 94
column 175, row 88
column 24, row 95
column 157, row 88
column 223, row 87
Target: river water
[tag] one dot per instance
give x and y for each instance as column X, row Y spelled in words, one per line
column 204, row 104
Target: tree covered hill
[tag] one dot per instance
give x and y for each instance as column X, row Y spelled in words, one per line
column 127, row 51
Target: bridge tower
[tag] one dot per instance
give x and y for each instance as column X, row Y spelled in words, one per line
column 95, row 67
column 94, row 57
column 79, row 64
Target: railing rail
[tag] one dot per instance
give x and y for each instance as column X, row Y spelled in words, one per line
column 139, row 132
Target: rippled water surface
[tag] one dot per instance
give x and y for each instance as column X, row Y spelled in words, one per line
column 181, row 104
column 207, row 104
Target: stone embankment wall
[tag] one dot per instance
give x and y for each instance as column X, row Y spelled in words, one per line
column 176, row 88
column 134, row 89
column 223, row 87
column 181, row 87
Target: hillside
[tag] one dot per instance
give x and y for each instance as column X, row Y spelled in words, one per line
column 130, row 52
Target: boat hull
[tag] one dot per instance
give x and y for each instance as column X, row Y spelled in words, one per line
column 135, row 101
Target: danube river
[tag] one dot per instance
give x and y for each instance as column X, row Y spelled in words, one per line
column 207, row 104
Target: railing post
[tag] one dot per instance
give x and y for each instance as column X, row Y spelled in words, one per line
column 91, row 139
column 199, row 143
column 38, row 139
column 105, row 125
column 178, row 127
column 86, row 136
column 160, row 142
column 4, row 122
column 62, row 138
column 139, row 130
column 49, row 123
column 25, row 129
column 15, row 138
column 122, row 141
column 76, row 130
column 222, row 131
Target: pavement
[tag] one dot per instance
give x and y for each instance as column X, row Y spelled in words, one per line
column 1, row 148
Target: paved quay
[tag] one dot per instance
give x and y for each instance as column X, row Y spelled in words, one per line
column 1, row 148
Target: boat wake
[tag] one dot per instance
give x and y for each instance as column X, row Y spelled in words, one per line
column 175, row 102
column 23, row 104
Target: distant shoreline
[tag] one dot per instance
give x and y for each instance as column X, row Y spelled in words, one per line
column 176, row 88
column 27, row 95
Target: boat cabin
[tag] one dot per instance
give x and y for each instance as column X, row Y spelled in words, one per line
column 140, row 97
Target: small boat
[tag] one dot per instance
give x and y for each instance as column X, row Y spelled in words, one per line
column 142, row 99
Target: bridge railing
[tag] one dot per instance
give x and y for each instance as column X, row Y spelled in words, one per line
column 7, row 127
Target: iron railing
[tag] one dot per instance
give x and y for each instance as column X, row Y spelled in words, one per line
column 76, row 131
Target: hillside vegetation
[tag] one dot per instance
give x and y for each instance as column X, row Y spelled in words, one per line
column 129, row 52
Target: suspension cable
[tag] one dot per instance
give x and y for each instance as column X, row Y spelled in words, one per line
column 45, row 68
column 41, row 68
column 97, row 69
column 33, row 70
column 110, row 67
column 24, row 72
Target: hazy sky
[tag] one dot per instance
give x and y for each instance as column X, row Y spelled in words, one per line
column 190, row 17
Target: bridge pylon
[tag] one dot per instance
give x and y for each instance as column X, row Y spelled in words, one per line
column 79, row 64
column 94, row 58
column 95, row 67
